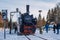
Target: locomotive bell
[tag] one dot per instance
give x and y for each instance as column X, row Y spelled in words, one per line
column 27, row 9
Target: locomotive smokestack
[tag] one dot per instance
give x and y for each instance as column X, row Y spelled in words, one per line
column 27, row 8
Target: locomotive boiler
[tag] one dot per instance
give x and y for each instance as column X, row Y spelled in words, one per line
column 27, row 23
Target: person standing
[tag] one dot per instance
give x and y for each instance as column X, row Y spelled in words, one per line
column 41, row 30
column 15, row 28
column 58, row 25
column 54, row 27
column 47, row 26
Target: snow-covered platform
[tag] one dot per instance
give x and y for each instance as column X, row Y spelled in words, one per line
column 49, row 36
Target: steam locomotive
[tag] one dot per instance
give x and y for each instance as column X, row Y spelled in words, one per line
column 26, row 23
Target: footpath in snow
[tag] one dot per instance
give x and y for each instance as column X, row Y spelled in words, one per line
column 49, row 36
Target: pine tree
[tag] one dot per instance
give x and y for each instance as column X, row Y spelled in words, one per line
column 48, row 15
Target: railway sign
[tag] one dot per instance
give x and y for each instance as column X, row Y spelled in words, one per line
column 4, row 14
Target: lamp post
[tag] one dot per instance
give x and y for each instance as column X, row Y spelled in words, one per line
column 40, row 14
column 40, row 11
column 40, row 23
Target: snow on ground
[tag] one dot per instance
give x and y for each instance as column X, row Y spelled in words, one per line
column 49, row 36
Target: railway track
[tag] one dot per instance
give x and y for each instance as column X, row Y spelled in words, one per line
column 27, row 37
column 35, row 36
column 40, row 37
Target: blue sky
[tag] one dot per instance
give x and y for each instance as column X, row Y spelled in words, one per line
column 35, row 5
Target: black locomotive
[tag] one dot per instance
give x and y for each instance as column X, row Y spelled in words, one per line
column 27, row 23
